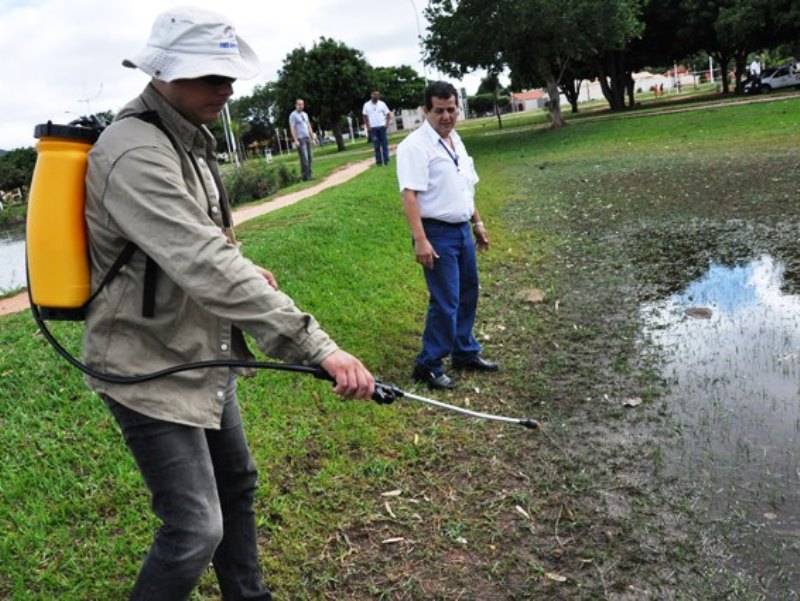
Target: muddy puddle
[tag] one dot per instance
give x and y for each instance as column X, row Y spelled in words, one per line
column 729, row 348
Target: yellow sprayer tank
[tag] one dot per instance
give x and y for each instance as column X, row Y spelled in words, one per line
column 57, row 250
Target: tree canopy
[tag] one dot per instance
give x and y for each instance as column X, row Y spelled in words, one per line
column 332, row 79
column 536, row 39
column 547, row 43
column 400, row 87
column 16, row 168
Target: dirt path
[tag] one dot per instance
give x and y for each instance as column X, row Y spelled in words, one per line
column 19, row 302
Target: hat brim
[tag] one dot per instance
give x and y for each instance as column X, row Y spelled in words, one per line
column 167, row 66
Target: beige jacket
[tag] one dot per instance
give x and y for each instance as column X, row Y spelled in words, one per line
column 140, row 189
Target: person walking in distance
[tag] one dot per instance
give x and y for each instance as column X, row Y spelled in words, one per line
column 187, row 294
column 301, row 135
column 377, row 117
column 437, row 183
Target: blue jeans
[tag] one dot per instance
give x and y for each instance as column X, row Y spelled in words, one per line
column 304, row 150
column 380, row 142
column 202, row 484
column 453, row 288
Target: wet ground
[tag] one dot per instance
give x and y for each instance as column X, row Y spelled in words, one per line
column 730, row 349
column 12, row 259
column 702, row 272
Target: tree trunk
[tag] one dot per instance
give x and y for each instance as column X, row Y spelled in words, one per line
column 571, row 91
column 604, row 87
column 337, row 134
column 612, row 80
column 554, row 103
column 630, row 88
column 741, row 66
column 497, row 112
column 722, row 60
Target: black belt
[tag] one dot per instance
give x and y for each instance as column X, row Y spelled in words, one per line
column 440, row 222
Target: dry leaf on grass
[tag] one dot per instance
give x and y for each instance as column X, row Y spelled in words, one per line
column 533, row 295
column 699, row 312
column 392, row 493
column 556, row 577
column 632, row 402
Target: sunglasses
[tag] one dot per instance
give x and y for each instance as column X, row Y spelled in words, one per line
column 216, row 80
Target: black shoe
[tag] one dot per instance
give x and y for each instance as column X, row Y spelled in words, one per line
column 421, row 374
column 477, row 363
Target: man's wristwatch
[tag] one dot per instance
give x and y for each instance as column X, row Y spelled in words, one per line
column 477, row 224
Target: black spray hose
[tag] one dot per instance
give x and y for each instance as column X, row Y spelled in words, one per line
column 384, row 394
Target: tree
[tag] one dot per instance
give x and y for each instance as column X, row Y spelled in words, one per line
column 16, row 168
column 490, row 86
column 606, row 30
column 731, row 30
column 400, row 87
column 481, row 104
column 570, row 84
column 455, row 43
column 330, row 77
column 255, row 114
column 536, row 39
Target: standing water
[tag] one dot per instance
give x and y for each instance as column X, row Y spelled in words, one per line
column 12, row 260
column 730, row 344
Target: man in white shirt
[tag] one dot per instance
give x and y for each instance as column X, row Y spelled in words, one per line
column 437, row 182
column 376, row 120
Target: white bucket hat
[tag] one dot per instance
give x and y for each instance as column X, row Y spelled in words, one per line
column 188, row 42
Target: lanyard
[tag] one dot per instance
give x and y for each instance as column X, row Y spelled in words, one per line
column 452, row 155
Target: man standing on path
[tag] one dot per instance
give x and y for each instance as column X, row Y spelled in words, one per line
column 437, row 182
column 186, row 294
column 376, row 119
column 301, row 135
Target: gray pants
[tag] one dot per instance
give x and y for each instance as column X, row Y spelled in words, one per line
column 304, row 150
column 203, row 484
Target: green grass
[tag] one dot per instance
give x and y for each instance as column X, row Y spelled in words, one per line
column 74, row 509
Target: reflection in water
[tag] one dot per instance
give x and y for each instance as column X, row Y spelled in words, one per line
column 12, row 261
column 734, row 390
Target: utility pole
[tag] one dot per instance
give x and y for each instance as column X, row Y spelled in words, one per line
column 419, row 40
column 229, row 137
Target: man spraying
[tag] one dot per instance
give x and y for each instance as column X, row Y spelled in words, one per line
column 186, row 295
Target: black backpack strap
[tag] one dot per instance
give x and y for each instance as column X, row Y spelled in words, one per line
column 149, row 293
column 123, row 257
column 151, row 267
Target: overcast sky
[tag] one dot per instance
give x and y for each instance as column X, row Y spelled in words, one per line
column 62, row 58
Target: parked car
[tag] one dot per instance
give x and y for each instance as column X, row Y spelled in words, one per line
column 774, row 79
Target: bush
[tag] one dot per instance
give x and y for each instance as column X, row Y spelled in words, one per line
column 256, row 179
column 11, row 216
